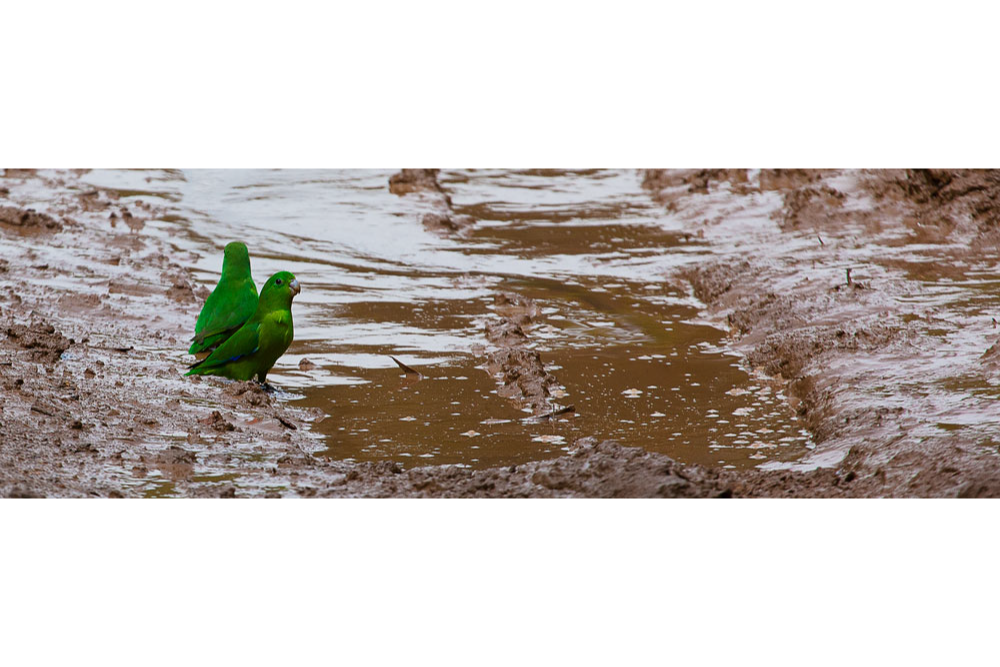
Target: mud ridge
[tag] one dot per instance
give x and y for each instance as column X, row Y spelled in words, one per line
column 837, row 312
column 592, row 470
column 442, row 219
column 941, row 203
column 518, row 369
column 27, row 219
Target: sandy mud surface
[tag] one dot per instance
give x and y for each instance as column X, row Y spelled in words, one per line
column 867, row 299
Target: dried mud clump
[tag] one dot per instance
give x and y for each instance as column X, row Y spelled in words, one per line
column 447, row 223
column 506, row 333
column 712, row 281
column 415, row 179
column 943, row 200
column 608, row 470
column 248, row 393
column 28, row 219
column 991, row 357
column 668, row 184
column 217, row 422
column 939, row 186
column 789, row 179
column 443, row 220
column 44, row 344
column 592, row 470
column 19, row 173
column 523, row 377
column 181, row 289
column 809, row 206
column 800, row 186
column 518, row 369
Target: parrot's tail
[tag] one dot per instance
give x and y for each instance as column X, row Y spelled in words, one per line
column 196, row 364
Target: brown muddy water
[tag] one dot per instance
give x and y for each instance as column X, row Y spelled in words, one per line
column 589, row 247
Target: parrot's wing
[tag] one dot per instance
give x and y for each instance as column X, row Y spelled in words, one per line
column 226, row 327
column 225, row 311
column 244, row 342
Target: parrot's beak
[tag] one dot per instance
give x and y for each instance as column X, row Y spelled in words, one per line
column 295, row 286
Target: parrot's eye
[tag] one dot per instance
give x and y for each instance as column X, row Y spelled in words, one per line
column 278, row 281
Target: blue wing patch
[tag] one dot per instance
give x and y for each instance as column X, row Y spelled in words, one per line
column 240, row 356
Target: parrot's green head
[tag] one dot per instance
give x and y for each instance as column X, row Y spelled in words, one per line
column 236, row 259
column 279, row 290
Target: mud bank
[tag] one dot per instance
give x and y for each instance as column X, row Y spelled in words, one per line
column 871, row 294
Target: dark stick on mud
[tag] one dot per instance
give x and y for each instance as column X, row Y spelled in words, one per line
column 849, row 276
column 113, row 349
column 562, row 411
column 406, row 369
column 820, row 240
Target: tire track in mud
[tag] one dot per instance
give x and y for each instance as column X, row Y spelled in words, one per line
column 833, row 302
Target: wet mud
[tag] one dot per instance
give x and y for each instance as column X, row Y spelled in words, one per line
column 519, row 370
column 873, row 298
column 862, row 303
column 93, row 401
column 27, row 219
column 95, row 315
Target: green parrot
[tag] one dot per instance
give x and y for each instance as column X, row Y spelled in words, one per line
column 230, row 304
column 254, row 348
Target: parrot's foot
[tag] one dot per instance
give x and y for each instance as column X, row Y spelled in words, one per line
column 268, row 387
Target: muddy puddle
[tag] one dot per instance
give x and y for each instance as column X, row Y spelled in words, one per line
column 589, row 248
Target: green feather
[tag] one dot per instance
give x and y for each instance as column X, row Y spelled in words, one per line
column 254, row 348
column 230, row 304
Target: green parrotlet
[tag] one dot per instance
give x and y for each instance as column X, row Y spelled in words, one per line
column 230, row 304
column 254, row 348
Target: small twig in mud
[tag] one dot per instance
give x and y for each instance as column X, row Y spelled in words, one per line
column 113, row 349
column 561, row 411
column 820, row 239
column 849, row 276
column 549, row 415
column 287, row 424
column 35, row 408
column 994, row 323
column 406, row 369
